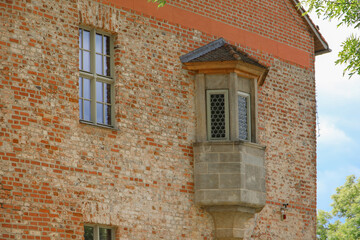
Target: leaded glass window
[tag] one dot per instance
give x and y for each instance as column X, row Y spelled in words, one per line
column 96, row 77
column 243, row 102
column 218, row 115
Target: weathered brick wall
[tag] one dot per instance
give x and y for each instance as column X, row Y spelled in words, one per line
column 57, row 173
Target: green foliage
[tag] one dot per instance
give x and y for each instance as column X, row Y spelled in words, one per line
column 160, row 3
column 347, row 12
column 346, row 207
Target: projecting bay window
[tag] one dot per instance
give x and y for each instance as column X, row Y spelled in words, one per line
column 96, row 77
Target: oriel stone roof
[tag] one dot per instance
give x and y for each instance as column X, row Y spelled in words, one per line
column 218, row 51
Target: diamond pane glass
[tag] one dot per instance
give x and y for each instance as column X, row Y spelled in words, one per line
column 243, row 117
column 88, row 233
column 217, row 116
column 105, row 234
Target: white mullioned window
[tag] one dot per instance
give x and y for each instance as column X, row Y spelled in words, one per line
column 244, row 116
column 96, row 232
column 96, row 78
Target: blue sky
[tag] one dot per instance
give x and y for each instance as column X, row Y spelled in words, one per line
column 338, row 99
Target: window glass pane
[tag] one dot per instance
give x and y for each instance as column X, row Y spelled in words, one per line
column 107, row 93
column 86, row 40
column 106, row 45
column 99, row 65
column 80, row 37
column 98, row 43
column 86, row 88
column 107, row 66
column 87, row 110
column 88, row 233
column 86, row 61
column 99, row 91
column 107, row 114
column 243, row 117
column 217, row 115
column 80, row 87
column 80, row 59
column 100, row 113
column 105, row 234
column 80, row 109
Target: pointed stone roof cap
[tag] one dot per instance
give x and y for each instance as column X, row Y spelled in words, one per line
column 221, row 55
column 218, row 50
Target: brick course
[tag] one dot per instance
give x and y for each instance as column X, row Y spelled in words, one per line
column 57, row 173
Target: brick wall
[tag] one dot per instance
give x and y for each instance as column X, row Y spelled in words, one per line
column 57, row 173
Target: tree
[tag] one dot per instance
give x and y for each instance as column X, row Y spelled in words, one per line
column 343, row 222
column 348, row 13
column 160, row 3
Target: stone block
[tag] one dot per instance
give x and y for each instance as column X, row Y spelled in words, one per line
column 230, row 157
column 222, row 148
column 223, row 197
column 230, row 181
column 253, row 177
column 201, row 167
column 224, row 168
column 207, row 157
column 206, row 181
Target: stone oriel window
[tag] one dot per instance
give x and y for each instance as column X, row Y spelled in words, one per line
column 226, row 88
column 229, row 164
column 96, row 78
column 95, row 232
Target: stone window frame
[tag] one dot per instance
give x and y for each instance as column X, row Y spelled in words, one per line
column 97, row 231
column 95, row 78
column 234, row 85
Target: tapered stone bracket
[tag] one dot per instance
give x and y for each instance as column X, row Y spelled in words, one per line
column 230, row 184
column 230, row 221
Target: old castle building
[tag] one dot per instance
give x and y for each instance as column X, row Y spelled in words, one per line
column 121, row 120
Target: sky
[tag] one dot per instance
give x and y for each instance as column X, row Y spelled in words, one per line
column 338, row 102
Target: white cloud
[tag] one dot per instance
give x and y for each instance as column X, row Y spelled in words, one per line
column 330, row 134
column 332, row 86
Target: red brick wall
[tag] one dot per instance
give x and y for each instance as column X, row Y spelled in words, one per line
column 57, row 173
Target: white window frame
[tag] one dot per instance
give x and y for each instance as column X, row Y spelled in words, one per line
column 248, row 98
column 97, row 231
column 225, row 92
column 94, row 77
